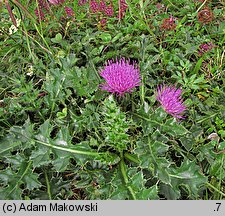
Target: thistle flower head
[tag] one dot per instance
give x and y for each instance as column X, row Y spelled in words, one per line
column 171, row 101
column 121, row 76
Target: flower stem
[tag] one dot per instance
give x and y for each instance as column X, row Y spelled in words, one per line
column 48, row 186
column 214, row 188
column 125, row 178
column 131, row 158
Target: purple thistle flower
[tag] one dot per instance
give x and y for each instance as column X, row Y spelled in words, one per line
column 120, row 76
column 171, row 101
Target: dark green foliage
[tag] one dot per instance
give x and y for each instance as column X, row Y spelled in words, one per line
column 62, row 137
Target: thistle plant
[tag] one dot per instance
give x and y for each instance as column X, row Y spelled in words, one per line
column 115, row 126
column 61, row 138
column 171, row 101
column 121, row 76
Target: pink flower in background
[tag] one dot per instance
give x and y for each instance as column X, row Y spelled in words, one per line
column 41, row 9
column 69, row 11
column 109, row 10
column 122, row 8
column 82, row 2
column 171, row 101
column 103, row 22
column 169, row 23
column 160, row 6
column 41, row 4
column 172, row 20
column 56, row 2
column 203, row 48
column 102, row 6
column 121, row 76
column 39, row 14
column 94, row 7
column 46, row 6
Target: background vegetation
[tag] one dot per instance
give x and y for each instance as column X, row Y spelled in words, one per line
column 62, row 137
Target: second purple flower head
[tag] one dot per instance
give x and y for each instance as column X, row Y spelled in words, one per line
column 121, row 76
column 171, row 101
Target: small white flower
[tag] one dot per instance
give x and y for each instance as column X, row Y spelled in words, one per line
column 213, row 136
column 13, row 28
column 30, row 70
